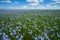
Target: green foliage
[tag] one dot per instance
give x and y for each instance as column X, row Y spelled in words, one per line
column 30, row 26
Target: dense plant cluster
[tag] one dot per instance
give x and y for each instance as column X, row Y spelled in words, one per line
column 29, row 27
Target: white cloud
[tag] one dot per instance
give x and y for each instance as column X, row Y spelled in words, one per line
column 27, row 7
column 48, row 6
column 11, row 7
column 7, row 1
column 41, row 0
column 56, row 1
column 24, row 7
column 16, row 2
column 35, row 0
column 30, row 7
column 32, row 1
column 34, row 4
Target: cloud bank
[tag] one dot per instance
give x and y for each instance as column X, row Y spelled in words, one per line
column 33, row 4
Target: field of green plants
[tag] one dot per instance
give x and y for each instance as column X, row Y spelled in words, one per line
column 30, row 26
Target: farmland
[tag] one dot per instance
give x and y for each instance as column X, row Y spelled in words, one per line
column 30, row 25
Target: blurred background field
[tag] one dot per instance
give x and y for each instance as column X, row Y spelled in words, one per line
column 29, row 24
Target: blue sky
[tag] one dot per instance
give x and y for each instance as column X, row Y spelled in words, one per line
column 29, row 4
